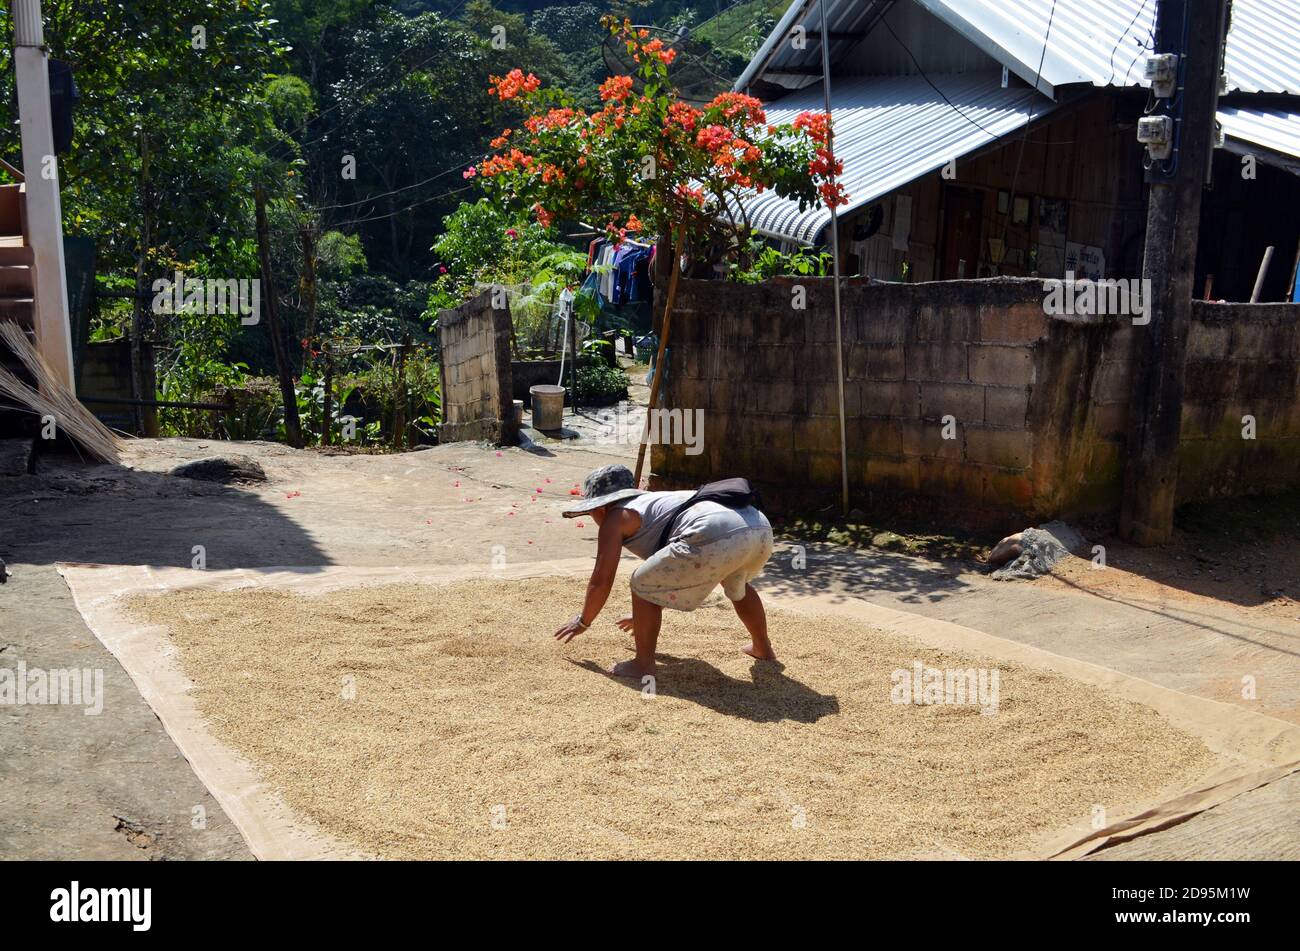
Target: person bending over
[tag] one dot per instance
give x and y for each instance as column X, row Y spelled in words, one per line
column 709, row 545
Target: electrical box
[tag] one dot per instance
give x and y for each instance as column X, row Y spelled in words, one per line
column 1162, row 74
column 1157, row 134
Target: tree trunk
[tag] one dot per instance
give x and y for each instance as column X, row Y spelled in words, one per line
column 292, row 426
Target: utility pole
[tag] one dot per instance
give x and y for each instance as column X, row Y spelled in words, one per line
column 41, row 181
column 1194, row 31
column 292, row 427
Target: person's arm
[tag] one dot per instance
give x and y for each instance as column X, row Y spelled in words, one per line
column 609, row 547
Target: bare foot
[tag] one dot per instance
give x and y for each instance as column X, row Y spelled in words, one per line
column 758, row 653
column 633, row 669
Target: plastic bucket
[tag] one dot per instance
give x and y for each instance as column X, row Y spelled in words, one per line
column 548, row 406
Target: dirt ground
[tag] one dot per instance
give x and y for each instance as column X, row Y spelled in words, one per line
column 1210, row 615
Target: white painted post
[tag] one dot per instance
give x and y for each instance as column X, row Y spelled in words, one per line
column 40, row 169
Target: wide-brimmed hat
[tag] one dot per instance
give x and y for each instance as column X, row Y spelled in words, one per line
column 604, row 486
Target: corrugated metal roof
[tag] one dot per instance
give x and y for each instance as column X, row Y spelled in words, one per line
column 1100, row 42
column 1264, row 46
column 849, row 21
column 890, row 130
column 1276, row 130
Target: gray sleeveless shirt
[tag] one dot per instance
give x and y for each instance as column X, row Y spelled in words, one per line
column 655, row 508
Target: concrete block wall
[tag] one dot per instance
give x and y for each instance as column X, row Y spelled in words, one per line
column 1243, row 360
column 961, row 396
column 474, row 351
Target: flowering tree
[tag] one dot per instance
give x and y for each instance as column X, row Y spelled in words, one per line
column 648, row 161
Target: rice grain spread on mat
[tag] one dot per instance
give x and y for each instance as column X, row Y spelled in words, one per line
column 436, row 721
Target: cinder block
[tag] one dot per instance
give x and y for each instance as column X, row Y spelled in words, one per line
column 771, row 431
column 884, row 325
column 1004, row 365
column 1006, row 406
column 1257, row 341
column 943, row 362
column 812, row 433
column 1208, row 341
column 823, row 468
column 1113, row 382
column 965, row 401
column 886, row 362
column 877, row 437
column 1009, row 489
column 1206, row 380
column 824, row 398
column 1018, row 323
column 925, row 438
column 855, row 364
column 896, row 474
column 959, row 483
column 1007, row 448
column 901, row 398
column 947, row 323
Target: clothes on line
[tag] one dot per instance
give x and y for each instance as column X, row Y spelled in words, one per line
column 626, row 271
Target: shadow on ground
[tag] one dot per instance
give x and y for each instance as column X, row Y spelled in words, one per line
column 842, row 574
column 769, row 696
column 70, row 511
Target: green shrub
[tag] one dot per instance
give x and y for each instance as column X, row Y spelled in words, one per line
column 600, row 384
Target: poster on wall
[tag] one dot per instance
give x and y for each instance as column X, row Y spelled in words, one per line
column 1053, row 217
column 1050, row 260
column 1086, row 261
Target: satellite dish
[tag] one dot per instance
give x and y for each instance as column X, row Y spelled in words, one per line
column 698, row 73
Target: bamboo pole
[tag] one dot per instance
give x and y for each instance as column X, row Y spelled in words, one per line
column 835, row 267
column 675, row 251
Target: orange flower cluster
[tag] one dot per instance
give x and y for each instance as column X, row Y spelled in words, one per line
column 506, row 162
column 512, row 84
column 555, row 119
column 656, row 48
column 734, row 104
column 616, row 88
column 816, row 124
column 823, row 164
column 682, row 114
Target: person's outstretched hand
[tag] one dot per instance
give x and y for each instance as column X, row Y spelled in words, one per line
column 569, row 630
column 625, row 623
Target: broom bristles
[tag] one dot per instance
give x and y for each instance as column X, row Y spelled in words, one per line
column 52, row 398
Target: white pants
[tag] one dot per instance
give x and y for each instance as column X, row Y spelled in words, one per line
column 713, row 546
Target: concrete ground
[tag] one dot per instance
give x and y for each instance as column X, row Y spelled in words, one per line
column 114, row 786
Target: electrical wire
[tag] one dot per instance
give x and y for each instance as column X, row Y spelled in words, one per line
column 954, row 106
column 1120, row 40
column 1015, row 178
